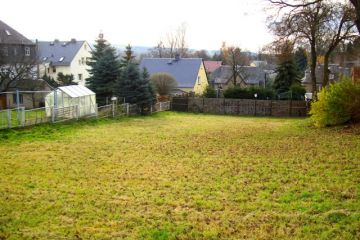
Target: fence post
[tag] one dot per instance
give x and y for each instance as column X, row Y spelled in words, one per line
column 290, row 107
column 23, row 116
column 9, row 118
column 255, row 107
column 271, row 107
column 127, row 109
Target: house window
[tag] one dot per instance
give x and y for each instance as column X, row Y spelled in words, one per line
column 199, row 80
column 80, row 76
column 48, row 70
column 54, row 69
column 27, row 51
column 83, row 60
column 21, row 99
column 85, row 46
column 15, row 51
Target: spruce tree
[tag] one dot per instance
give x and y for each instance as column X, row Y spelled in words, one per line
column 128, row 56
column 301, row 60
column 287, row 75
column 104, row 71
column 104, row 75
column 135, row 88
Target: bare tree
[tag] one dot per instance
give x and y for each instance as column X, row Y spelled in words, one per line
column 356, row 4
column 302, row 24
column 159, row 50
column 181, row 47
column 299, row 3
column 16, row 65
column 174, row 44
column 171, row 43
column 338, row 28
column 236, row 59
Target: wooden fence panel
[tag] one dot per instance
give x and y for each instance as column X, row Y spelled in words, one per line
column 278, row 108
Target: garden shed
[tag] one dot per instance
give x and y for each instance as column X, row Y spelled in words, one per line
column 71, row 98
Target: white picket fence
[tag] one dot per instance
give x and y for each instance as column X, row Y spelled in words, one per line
column 21, row 117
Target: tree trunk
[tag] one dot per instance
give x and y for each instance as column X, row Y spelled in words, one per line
column 356, row 4
column 313, row 69
column 326, row 71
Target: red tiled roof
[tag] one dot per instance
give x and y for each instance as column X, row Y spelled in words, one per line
column 211, row 66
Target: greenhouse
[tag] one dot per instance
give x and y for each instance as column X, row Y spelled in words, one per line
column 73, row 100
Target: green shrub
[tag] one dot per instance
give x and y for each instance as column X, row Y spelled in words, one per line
column 248, row 93
column 337, row 103
column 209, row 92
column 297, row 91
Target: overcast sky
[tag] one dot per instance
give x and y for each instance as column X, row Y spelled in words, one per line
column 142, row 22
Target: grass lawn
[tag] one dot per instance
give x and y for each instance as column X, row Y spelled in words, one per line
column 180, row 176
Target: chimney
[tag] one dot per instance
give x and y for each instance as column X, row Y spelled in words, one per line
column 73, row 40
column 56, row 40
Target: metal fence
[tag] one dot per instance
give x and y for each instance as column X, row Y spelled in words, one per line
column 21, row 117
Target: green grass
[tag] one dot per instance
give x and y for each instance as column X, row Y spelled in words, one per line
column 180, row 176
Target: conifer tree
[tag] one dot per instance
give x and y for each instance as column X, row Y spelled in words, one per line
column 128, row 56
column 135, row 88
column 301, row 60
column 104, row 71
column 287, row 75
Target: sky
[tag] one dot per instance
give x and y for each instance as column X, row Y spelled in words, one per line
column 142, row 22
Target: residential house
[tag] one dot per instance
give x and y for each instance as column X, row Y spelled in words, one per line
column 189, row 73
column 19, row 56
column 15, row 48
column 67, row 57
column 223, row 77
column 335, row 74
column 211, row 66
column 27, row 93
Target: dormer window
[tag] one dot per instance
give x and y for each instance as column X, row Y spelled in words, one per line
column 61, row 59
column 8, row 33
column 27, row 51
column 44, row 59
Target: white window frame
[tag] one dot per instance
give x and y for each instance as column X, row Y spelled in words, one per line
column 27, row 51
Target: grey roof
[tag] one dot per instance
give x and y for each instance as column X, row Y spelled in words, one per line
column 8, row 35
column 251, row 75
column 184, row 70
column 30, row 85
column 58, row 53
column 335, row 71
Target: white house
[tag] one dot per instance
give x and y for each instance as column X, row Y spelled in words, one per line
column 67, row 57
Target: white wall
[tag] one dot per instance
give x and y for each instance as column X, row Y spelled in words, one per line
column 77, row 66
